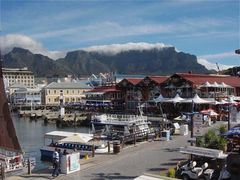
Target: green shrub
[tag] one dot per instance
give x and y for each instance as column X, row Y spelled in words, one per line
column 171, row 172
column 222, row 129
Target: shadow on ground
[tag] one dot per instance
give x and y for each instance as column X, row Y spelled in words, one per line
column 104, row 176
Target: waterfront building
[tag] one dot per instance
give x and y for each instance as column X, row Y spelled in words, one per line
column 105, row 96
column 69, row 92
column 131, row 92
column 207, row 86
column 18, row 76
column 26, row 96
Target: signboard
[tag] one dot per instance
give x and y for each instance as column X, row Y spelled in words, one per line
column 233, row 114
column 197, row 124
column 74, row 162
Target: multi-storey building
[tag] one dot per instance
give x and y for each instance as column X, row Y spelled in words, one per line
column 69, row 92
column 18, row 76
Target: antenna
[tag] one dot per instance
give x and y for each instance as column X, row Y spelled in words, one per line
column 218, row 67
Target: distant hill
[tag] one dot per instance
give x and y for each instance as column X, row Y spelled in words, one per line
column 232, row 71
column 154, row 61
column 40, row 65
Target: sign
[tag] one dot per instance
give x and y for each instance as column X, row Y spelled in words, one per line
column 74, row 162
column 197, row 124
column 233, row 114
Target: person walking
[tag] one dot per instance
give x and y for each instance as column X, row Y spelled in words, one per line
column 60, row 157
column 55, row 163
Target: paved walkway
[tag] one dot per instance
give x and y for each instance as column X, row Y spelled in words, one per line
column 147, row 157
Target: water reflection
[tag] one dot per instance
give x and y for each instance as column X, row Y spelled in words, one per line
column 31, row 135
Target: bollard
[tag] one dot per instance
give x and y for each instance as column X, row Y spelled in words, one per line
column 93, row 150
column 134, row 139
column 29, row 166
column 108, row 144
column 2, row 171
column 147, row 136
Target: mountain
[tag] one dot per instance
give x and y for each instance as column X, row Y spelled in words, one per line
column 40, row 65
column 154, row 61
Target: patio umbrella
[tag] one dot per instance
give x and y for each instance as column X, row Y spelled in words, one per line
column 160, row 98
column 176, row 99
column 197, row 100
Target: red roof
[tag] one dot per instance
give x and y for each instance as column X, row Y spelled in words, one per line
column 134, row 81
column 199, row 79
column 158, row 79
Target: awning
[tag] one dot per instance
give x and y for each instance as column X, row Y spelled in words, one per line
column 205, row 152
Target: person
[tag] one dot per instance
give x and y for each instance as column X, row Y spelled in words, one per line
column 60, row 157
column 65, row 152
column 55, row 163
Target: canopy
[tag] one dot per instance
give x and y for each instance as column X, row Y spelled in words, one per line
column 76, row 138
column 206, row 84
column 197, row 100
column 209, row 111
column 176, row 99
column 160, row 98
column 222, row 84
column 205, row 152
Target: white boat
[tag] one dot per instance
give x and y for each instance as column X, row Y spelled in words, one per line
column 71, row 141
column 122, row 124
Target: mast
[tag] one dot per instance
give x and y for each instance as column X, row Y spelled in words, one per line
column 8, row 137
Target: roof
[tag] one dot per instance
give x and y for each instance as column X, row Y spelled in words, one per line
column 199, row 79
column 133, row 81
column 67, row 85
column 59, row 135
column 158, row 79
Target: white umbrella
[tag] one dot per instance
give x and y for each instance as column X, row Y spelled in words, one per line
column 160, row 98
column 197, row 100
column 222, row 84
column 176, row 99
column 206, row 84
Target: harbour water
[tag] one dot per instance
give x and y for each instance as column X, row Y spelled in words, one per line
column 30, row 134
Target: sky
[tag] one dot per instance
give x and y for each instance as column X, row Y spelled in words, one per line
column 209, row 29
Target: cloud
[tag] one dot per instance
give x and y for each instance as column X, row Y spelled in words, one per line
column 8, row 42
column 117, row 48
column 213, row 66
column 219, row 55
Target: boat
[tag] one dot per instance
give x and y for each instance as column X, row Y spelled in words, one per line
column 11, row 154
column 71, row 142
column 121, row 124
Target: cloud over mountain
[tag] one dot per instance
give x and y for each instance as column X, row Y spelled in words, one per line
column 114, row 49
column 8, row 42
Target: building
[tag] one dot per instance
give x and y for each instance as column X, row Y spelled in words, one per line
column 70, row 92
column 18, row 75
column 207, row 86
column 104, row 97
column 26, row 96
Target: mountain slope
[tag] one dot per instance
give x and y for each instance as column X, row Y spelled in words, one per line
column 40, row 65
column 154, row 61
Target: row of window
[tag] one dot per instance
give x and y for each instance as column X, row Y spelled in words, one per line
column 65, row 91
column 66, row 99
column 20, row 77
